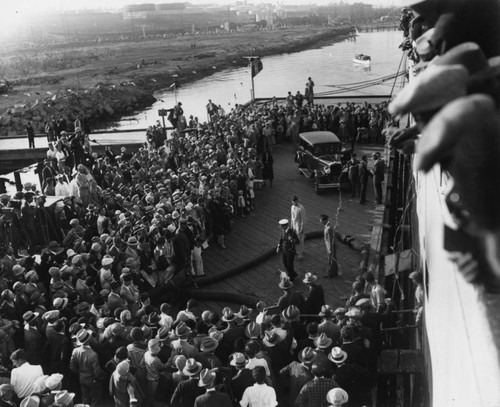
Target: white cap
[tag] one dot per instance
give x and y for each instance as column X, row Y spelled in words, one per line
column 283, row 222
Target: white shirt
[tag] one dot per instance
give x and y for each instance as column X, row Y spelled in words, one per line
column 298, row 218
column 62, row 189
column 23, row 379
column 254, row 362
column 259, row 395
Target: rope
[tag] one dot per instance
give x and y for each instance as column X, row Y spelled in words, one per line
column 403, row 56
column 360, row 85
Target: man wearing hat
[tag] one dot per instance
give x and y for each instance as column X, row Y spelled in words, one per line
column 115, row 300
column 130, row 293
column 188, row 390
column 84, row 362
column 181, row 346
column 286, row 245
column 327, row 326
column 211, row 398
column 33, row 338
column 290, row 296
column 353, row 378
column 242, row 379
column 314, row 392
column 315, row 298
column 296, row 374
column 232, row 332
column 61, row 187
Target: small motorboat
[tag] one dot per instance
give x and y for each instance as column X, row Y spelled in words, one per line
column 362, row 59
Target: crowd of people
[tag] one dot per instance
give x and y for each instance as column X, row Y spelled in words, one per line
column 85, row 307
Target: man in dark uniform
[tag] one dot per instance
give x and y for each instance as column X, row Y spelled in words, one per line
column 286, row 245
column 289, row 296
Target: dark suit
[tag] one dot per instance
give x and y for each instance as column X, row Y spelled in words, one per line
column 290, row 298
column 239, row 383
column 213, row 399
column 186, row 393
column 226, row 346
column 355, row 380
column 58, row 353
column 33, row 345
column 315, row 300
column 364, row 175
column 287, row 243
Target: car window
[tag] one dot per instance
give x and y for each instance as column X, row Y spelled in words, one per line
column 326, row 149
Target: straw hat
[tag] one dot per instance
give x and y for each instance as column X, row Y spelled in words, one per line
column 337, row 355
column 63, row 398
column 337, row 396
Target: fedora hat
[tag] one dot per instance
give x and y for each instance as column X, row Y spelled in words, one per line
column 132, row 241
column 307, row 355
column 339, row 311
column 162, row 334
column 363, row 303
column 322, row 341
column 51, row 316
column 285, row 283
column 30, row 316
column 209, row 344
column 431, row 90
column 326, row 311
column 337, row 355
column 107, row 260
column 31, row 401
column 216, row 334
column 192, row 367
column 337, row 396
column 244, row 312
column 238, row 360
column 207, row 378
column 53, row 381
column 309, row 278
column 63, row 398
column 291, row 313
column 353, row 313
column 228, row 315
column 270, row 339
column 82, row 307
column 252, row 330
column 83, row 336
column 182, row 330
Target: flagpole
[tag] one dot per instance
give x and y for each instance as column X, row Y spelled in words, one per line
column 251, row 60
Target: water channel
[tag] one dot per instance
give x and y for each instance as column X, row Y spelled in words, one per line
column 328, row 66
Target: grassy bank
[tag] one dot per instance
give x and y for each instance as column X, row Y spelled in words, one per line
column 149, row 64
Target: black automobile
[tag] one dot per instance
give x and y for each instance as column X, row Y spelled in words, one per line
column 321, row 157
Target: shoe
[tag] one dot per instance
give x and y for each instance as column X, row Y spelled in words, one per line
column 300, row 257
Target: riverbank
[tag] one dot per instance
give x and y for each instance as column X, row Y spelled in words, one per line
column 106, row 81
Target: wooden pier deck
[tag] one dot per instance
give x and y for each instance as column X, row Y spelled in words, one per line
column 257, row 233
